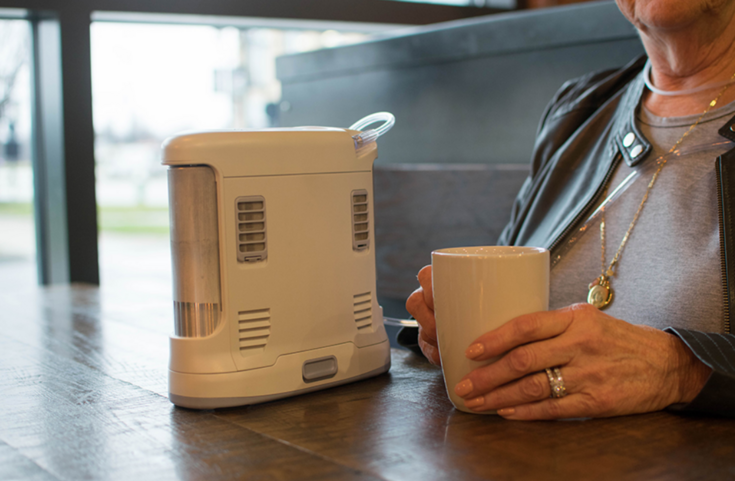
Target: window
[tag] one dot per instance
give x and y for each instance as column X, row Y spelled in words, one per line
column 151, row 81
column 17, row 232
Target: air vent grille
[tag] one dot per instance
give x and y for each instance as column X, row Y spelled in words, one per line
column 255, row 329
column 360, row 224
column 363, row 307
column 251, row 229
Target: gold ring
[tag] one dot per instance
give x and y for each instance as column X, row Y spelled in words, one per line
column 556, row 382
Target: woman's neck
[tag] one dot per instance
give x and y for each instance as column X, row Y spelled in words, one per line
column 702, row 54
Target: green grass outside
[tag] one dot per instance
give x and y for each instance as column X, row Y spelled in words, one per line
column 133, row 220
column 128, row 220
column 14, row 208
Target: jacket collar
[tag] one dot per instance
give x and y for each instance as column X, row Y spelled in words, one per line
column 628, row 138
column 728, row 130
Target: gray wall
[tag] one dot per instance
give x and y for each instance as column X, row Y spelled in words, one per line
column 469, row 91
column 463, row 92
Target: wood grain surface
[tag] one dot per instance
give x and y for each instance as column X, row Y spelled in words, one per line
column 83, row 396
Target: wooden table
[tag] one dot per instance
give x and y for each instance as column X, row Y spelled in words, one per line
column 83, row 396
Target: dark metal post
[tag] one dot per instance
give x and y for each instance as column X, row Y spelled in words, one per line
column 81, row 199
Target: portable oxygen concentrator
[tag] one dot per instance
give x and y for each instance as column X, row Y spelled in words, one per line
column 273, row 258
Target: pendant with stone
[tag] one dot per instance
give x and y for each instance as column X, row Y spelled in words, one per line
column 600, row 294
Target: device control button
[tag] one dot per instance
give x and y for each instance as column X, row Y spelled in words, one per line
column 321, row 368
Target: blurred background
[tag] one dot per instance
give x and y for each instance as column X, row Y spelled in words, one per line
column 17, row 233
column 467, row 79
column 149, row 81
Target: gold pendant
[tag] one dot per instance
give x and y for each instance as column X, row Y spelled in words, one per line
column 601, row 294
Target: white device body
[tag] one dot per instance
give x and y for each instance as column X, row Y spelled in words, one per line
column 300, row 313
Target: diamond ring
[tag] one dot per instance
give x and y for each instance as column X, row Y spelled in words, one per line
column 556, row 382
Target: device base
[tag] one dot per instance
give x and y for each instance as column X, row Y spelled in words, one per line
column 220, row 390
column 215, row 403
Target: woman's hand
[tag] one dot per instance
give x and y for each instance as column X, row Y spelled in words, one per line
column 609, row 367
column 420, row 305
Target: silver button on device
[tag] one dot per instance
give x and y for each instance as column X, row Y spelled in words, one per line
column 636, row 151
column 628, row 139
column 321, row 368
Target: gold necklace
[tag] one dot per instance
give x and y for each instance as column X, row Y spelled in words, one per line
column 600, row 292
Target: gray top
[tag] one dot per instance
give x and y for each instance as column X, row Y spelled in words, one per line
column 669, row 272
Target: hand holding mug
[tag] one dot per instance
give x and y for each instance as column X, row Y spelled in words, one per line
column 420, row 305
column 609, row 367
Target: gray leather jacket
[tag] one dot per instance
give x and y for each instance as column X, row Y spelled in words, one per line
column 578, row 146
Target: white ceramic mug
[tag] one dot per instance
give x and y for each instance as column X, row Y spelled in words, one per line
column 477, row 289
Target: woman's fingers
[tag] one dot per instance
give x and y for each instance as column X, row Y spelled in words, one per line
column 514, row 365
column 577, row 406
column 530, row 398
column 424, row 278
column 420, row 305
column 529, row 389
column 523, row 330
column 528, row 344
column 420, row 311
column 430, row 350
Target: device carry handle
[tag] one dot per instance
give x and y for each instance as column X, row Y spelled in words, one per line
column 368, row 136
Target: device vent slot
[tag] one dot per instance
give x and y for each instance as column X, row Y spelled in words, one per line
column 252, row 241
column 360, row 222
column 363, row 309
column 255, row 329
